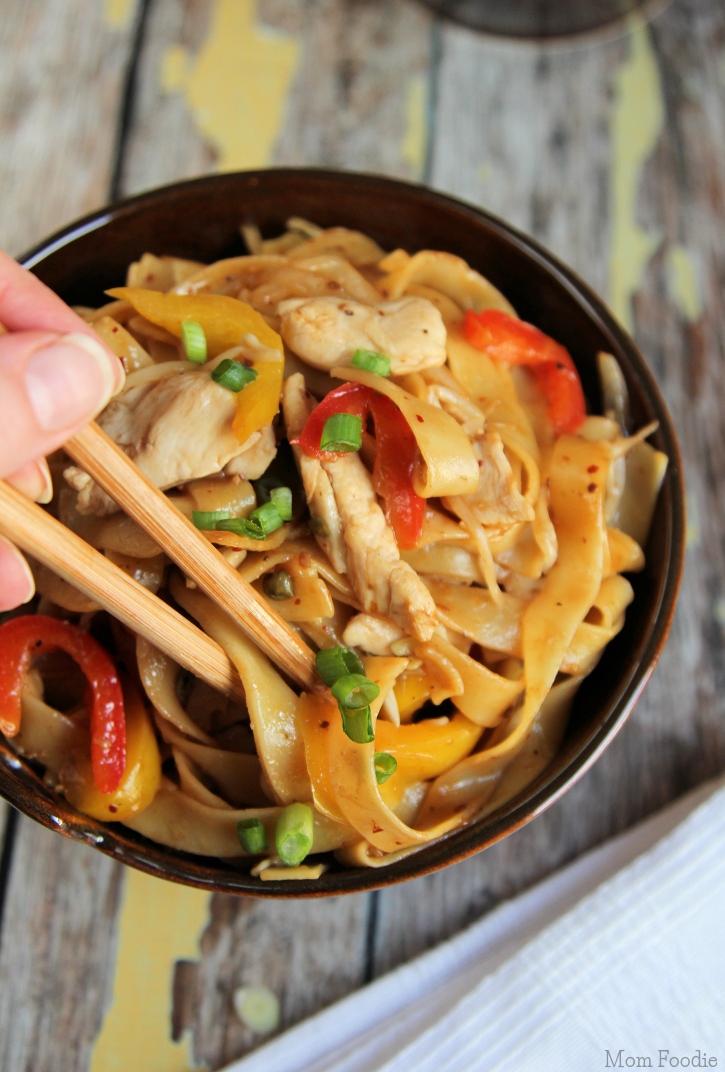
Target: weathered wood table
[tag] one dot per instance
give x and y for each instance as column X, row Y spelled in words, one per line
column 613, row 155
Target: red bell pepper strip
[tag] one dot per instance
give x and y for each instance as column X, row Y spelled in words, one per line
column 394, row 459
column 507, row 339
column 20, row 640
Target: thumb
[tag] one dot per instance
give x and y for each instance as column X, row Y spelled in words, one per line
column 50, row 386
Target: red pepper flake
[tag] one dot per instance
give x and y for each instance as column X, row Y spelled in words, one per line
column 112, row 808
column 592, row 487
column 377, row 829
column 419, row 419
column 593, row 469
column 114, row 330
column 297, row 602
column 324, row 724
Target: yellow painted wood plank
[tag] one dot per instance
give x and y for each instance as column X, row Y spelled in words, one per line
column 158, row 924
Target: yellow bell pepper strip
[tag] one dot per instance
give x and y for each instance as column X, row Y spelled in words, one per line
column 258, row 403
column 423, row 750
column 225, row 321
column 412, row 689
column 314, row 716
column 141, row 778
column 32, row 634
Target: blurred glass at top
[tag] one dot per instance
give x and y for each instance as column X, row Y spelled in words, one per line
column 542, row 19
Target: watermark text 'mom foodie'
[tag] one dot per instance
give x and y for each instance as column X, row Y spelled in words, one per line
column 664, row 1059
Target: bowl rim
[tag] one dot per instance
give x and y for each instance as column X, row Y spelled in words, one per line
column 53, row 812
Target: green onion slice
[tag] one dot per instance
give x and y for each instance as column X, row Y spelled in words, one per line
column 355, row 691
column 207, row 519
column 260, row 523
column 334, row 663
column 194, row 341
column 293, row 836
column 372, row 362
column 282, row 499
column 279, row 585
column 358, row 725
column 233, row 375
column 384, row 765
column 342, row 432
column 252, row 836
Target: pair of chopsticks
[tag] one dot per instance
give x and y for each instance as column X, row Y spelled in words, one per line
column 39, row 534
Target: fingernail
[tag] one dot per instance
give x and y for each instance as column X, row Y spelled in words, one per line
column 70, row 381
column 34, row 481
column 17, row 584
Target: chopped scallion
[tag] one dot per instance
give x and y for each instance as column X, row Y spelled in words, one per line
column 342, row 432
column 233, row 375
column 334, row 663
column 384, row 765
column 279, row 585
column 358, row 725
column 207, row 519
column 282, row 499
column 372, row 362
column 293, row 836
column 260, row 523
column 252, row 836
column 194, row 341
column 355, row 691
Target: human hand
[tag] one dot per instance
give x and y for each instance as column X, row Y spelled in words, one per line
column 55, row 376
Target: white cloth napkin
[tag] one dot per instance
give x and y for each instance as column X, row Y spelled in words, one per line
column 617, row 960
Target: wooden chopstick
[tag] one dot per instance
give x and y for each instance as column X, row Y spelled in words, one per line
column 102, row 459
column 40, row 535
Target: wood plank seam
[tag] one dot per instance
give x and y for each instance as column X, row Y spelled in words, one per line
column 6, row 859
column 128, row 99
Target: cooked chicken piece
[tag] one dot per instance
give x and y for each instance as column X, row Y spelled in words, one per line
column 359, row 541
column 297, row 405
column 371, row 633
column 176, row 429
column 497, row 500
column 258, row 452
column 382, row 582
column 326, row 332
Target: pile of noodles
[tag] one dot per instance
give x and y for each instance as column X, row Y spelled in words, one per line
column 524, row 607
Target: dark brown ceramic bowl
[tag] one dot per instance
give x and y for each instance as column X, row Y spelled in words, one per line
column 200, row 220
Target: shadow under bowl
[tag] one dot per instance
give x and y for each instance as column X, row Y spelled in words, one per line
column 200, row 220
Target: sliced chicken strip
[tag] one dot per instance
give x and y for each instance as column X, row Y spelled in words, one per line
column 297, row 405
column 497, row 499
column 371, row 633
column 177, row 429
column 327, row 331
column 382, row 582
column 360, row 544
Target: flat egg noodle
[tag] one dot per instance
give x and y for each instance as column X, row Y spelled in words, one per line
column 174, row 819
column 550, row 619
column 448, row 274
column 271, row 703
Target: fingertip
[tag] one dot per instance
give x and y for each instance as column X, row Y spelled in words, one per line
column 34, row 481
column 17, row 585
column 98, row 350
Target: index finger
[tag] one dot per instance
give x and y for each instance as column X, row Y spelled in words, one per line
column 26, row 304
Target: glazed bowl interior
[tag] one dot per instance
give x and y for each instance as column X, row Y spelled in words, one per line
column 201, row 220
